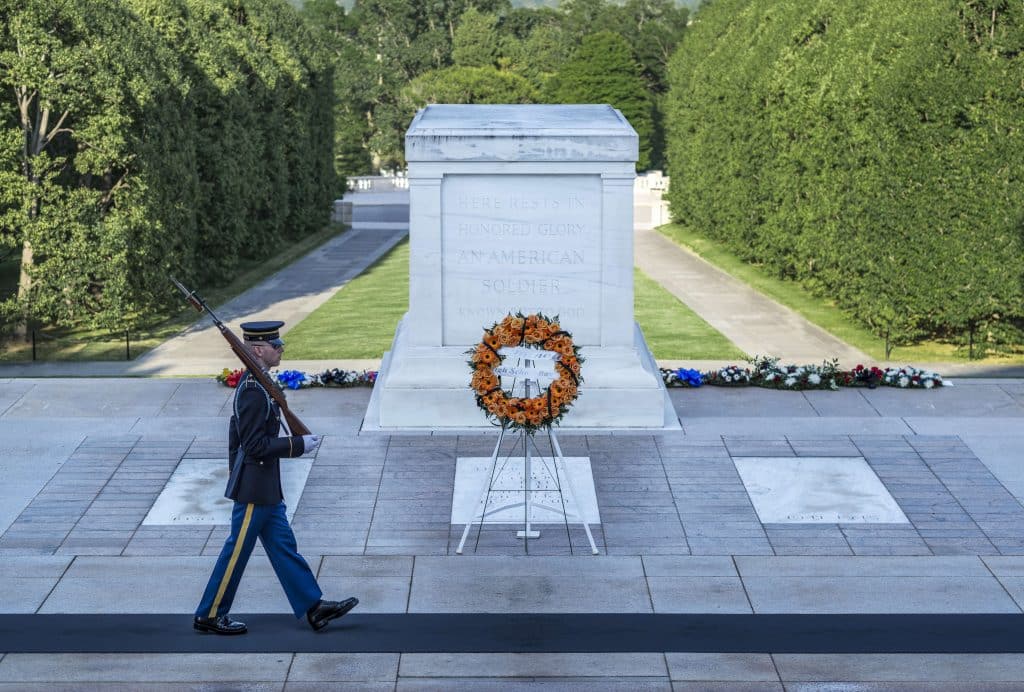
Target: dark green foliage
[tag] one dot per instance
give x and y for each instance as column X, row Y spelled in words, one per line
column 410, row 38
column 101, row 202
column 353, row 87
column 602, row 70
column 406, row 38
column 475, row 43
column 519, row 22
column 871, row 151
column 174, row 136
column 652, row 28
column 540, row 55
column 467, row 85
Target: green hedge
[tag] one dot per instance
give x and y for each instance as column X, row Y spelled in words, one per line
column 873, row 151
column 175, row 136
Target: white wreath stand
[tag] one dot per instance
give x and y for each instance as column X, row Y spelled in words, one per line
column 565, row 490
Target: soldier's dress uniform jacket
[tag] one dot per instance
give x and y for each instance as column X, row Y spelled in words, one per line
column 253, row 443
column 254, row 483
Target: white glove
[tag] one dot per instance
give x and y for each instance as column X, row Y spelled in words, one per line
column 310, row 443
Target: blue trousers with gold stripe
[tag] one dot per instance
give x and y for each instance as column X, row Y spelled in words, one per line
column 270, row 524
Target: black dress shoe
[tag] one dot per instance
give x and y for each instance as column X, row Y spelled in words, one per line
column 325, row 611
column 221, row 625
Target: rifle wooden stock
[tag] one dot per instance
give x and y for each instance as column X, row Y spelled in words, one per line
column 255, row 368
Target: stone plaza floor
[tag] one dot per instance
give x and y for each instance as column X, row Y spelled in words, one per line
column 688, row 560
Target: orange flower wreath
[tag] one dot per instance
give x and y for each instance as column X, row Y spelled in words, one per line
column 548, row 407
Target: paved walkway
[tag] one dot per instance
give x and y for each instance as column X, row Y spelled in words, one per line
column 756, row 324
column 84, row 460
column 290, row 295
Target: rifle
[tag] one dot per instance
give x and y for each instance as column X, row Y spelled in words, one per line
column 296, row 426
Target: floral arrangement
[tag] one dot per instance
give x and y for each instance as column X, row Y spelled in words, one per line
column 869, row 377
column 552, row 402
column 230, row 377
column 771, row 374
column 767, row 372
column 764, row 372
column 730, row 376
column 682, row 377
column 295, row 379
column 908, row 376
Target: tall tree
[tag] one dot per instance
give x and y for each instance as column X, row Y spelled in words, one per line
column 603, row 70
column 540, row 55
column 102, row 153
column 583, row 17
column 406, row 38
column 518, row 22
column 353, row 86
column 653, row 29
column 144, row 137
column 475, row 43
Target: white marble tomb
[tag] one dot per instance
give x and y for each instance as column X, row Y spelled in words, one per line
column 519, row 208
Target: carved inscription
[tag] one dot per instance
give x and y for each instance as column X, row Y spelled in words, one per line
column 520, row 256
column 834, row 518
column 520, row 243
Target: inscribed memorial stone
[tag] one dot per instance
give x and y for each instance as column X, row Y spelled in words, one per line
column 530, row 242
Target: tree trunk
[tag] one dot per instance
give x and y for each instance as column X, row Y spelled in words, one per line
column 24, row 284
column 37, row 134
column 27, row 261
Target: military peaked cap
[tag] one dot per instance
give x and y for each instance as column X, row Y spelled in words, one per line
column 269, row 330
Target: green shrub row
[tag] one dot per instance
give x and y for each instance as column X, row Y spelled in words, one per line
column 141, row 138
column 873, row 151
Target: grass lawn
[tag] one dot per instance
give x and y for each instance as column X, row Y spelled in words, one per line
column 820, row 311
column 359, row 320
column 84, row 344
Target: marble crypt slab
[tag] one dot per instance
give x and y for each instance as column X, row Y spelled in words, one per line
column 507, row 495
column 194, row 494
column 817, row 490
